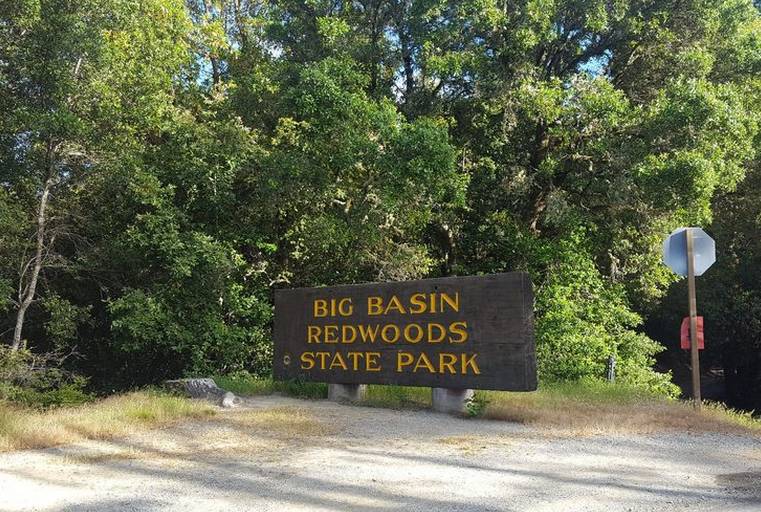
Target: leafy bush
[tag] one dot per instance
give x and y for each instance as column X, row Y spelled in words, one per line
column 38, row 380
column 476, row 405
column 582, row 318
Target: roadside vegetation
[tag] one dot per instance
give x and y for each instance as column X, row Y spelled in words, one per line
column 597, row 407
column 243, row 383
column 163, row 170
column 584, row 407
column 25, row 427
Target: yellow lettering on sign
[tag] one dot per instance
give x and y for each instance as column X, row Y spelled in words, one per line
column 338, row 362
column 320, row 308
column 374, row 306
column 307, row 360
column 313, row 333
column 394, row 305
column 368, row 333
column 469, row 361
column 442, row 333
column 355, row 357
column 417, row 304
column 447, row 362
column 345, row 307
column 384, row 335
column 458, row 328
column 331, row 334
column 454, row 304
column 345, row 338
column 424, row 361
column 323, row 357
column 403, row 359
column 408, row 333
column 371, row 361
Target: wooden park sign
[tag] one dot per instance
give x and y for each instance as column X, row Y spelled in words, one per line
column 454, row 332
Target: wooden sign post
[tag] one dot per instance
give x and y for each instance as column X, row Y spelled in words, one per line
column 694, row 354
column 456, row 333
column 690, row 252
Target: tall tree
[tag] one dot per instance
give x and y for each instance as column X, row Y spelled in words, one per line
column 67, row 72
column 167, row 164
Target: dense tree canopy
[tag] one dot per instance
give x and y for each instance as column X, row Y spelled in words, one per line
column 166, row 165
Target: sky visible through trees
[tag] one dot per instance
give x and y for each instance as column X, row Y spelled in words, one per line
column 165, row 165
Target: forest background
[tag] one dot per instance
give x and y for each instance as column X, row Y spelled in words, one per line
column 165, row 165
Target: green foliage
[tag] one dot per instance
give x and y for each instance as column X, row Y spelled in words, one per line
column 38, row 380
column 303, row 389
column 729, row 297
column 201, row 154
column 585, row 319
column 600, row 391
column 244, row 383
column 64, row 320
column 46, row 397
column 397, row 397
column 476, row 405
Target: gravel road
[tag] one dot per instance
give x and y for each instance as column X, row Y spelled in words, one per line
column 278, row 454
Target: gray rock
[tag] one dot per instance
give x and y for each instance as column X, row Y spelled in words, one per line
column 196, row 388
column 229, row 400
column 204, row 388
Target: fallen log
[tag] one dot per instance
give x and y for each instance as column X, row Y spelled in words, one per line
column 205, row 389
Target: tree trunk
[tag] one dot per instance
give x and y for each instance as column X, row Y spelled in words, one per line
column 375, row 66
column 409, row 69
column 215, row 72
column 26, row 296
column 406, row 46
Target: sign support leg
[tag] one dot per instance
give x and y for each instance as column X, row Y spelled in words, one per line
column 346, row 392
column 452, row 401
column 694, row 353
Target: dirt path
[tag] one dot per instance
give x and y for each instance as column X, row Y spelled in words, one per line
column 284, row 454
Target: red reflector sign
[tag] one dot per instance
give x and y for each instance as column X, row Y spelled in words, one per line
column 685, row 333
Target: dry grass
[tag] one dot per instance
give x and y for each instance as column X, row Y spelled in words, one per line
column 106, row 456
column 268, row 434
column 105, row 419
column 585, row 410
column 288, row 422
column 466, row 444
column 578, row 408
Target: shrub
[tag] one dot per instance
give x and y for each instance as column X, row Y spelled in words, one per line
column 37, row 380
column 584, row 317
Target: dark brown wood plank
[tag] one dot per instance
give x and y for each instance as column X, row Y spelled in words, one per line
column 388, row 333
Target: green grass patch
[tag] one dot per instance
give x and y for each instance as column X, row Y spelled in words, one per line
column 743, row 419
column 245, row 384
column 397, row 397
column 586, row 391
column 393, row 397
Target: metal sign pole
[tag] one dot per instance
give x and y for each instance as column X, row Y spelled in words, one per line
column 694, row 354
